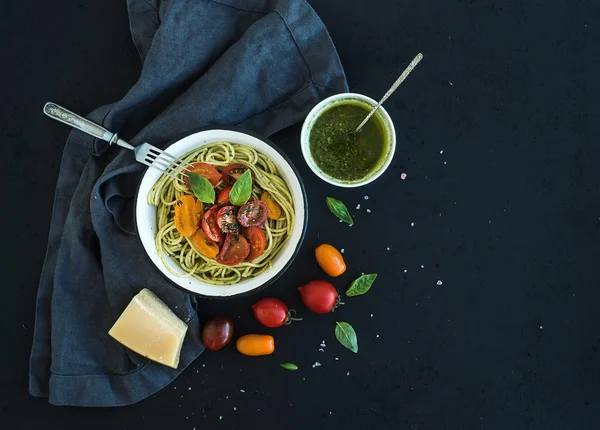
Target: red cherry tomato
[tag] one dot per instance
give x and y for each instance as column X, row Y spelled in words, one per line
column 223, row 197
column 235, row 250
column 226, row 219
column 217, row 332
column 233, row 172
column 209, row 225
column 253, row 214
column 272, row 312
column 257, row 240
column 319, row 296
column 206, row 170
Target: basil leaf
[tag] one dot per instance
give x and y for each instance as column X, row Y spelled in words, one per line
column 346, row 335
column 361, row 285
column 202, row 188
column 289, row 366
column 242, row 189
column 339, row 210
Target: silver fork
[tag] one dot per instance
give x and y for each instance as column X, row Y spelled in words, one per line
column 145, row 153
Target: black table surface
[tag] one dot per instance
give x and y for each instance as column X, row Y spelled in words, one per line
column 498, row 133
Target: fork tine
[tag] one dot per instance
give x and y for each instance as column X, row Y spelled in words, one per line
column 166, row 154
column 161, row 170
column 165, row 165
column 175, row 165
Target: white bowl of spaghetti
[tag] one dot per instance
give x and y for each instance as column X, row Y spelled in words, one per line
column 176, row 255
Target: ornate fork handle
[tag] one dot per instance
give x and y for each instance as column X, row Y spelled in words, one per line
column 65, row 116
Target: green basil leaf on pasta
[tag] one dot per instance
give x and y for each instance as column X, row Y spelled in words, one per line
column 242, row 189
column 202, row 188
column 361, row 285
column 339, row 209
column 346, row 335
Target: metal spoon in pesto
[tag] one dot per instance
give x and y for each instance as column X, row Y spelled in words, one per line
column 394, row 87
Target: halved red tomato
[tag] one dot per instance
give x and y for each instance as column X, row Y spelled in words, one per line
column 206, row 170
column 209, row 225
column 223, row 198
column 233, row 172
column 257, row 240
column 227, row 220
column 235, row 250
column 253, row 214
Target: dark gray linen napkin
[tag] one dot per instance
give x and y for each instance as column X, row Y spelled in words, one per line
column 258, row 64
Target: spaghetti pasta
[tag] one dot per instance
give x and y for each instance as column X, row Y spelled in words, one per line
column 169, row 242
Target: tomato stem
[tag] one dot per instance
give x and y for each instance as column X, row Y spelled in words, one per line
column 338, row 303
column 291, row 317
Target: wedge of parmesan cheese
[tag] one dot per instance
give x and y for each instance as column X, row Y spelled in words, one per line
column 148, row 327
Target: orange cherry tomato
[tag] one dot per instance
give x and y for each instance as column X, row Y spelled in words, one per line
column 256, row 344
column 188, row 213
column 204, row 245
column 330, row 260
column 273, row 208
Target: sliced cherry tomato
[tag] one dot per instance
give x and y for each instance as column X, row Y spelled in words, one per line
column 206, row 170
column 188, row 213
column 227, row 220
column 273, row 208
column 235, row 249
column 253, row 214
column 210, row 227
column 319, row 296
column 330, row 260
column 233, row 172
column 223, row 198
column 256, row 344
column 217, row 333
column 272, row 312
column 204, row 245
column 257, row 240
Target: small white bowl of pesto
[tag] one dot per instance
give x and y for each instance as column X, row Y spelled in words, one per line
column 339, row 158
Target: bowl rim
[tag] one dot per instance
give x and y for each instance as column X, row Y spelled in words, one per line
column 304, row 140
column 302, row 233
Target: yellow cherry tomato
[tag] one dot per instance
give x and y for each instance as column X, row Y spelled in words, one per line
column 256, row 344
column 330, row 260
column 273, row 208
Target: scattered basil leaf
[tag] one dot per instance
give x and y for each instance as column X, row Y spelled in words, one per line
column 202, row 188
column 339, row 210
column 346, row 335
column 289, row 366
column 361, row 285
column 242, row 189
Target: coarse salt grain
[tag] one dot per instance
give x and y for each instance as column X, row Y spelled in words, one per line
column 412, row 224
column 368, row 211
column 403, row 176
column 366, row 197
column 422, row 266
column 342, row 250
column 388, row 248
column 439, row 282
column 321, row 350
column 358, row 206
column 442, row 151
column 317, row 364
column 242, row 391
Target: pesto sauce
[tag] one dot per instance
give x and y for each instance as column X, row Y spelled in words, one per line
column 342, row 156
